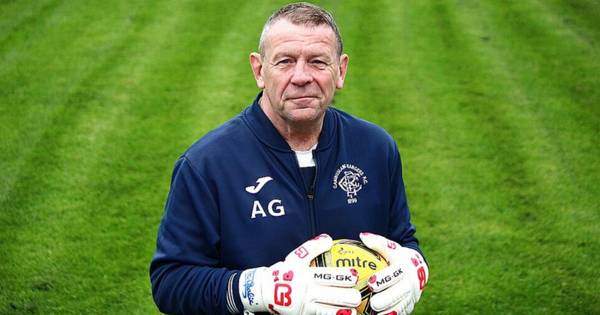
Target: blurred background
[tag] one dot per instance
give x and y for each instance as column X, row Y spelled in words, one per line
column 495, row 106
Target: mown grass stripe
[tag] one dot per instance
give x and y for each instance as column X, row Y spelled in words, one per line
column 580, row 17
column 368, row 58
column 568, row 121
column 33, row 207
column 403, row 86
column 563, row 26
column 547, row 157
column 180, row 123
column 232, row 87
column 144, row 105
column 466, row 66
column 571, row 77
column 465, row 82
column 222, row 61
column 523, row 207
column 37, row 85
column 560, row 113
column 22, row 17
column 66, row 115
column 453, row 88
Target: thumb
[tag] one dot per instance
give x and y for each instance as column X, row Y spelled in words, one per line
column 310, row 249
column 385, row 247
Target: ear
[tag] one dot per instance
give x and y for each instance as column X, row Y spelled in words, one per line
column 256, row 64
column 342, row 71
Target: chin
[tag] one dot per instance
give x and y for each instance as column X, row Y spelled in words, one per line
column 305, row 115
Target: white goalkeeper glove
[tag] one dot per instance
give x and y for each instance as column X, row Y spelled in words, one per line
column 397, row 287
column 292, row 287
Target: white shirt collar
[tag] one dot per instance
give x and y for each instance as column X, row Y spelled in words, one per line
column 305, row 158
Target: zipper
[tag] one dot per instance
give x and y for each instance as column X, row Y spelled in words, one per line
column 311, row 198
column 310, row 194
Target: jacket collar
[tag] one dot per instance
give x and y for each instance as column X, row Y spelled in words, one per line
column 264, row 130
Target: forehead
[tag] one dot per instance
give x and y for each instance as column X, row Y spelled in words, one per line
column 284, row 35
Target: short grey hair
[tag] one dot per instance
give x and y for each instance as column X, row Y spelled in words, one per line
column 301, row 13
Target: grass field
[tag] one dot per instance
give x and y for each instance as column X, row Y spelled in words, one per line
column 495, row 106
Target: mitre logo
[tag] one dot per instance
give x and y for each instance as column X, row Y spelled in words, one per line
column 350, row 179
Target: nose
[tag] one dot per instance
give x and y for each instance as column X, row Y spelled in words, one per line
column 301, row 76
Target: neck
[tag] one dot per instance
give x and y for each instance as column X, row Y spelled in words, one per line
column 300, row 140
column 300, row 136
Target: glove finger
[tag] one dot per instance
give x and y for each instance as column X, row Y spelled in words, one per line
column 399, row 309
column 310, row 249
column 420, row 266
column 386, row 278
column 325, row 309
column 380, row 244
column 334, row 276
column 397, row 297
column 332, row 296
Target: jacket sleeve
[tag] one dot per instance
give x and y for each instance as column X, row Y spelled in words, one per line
column 185, row 273
column 401, row 229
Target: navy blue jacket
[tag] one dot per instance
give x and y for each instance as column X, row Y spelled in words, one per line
column 219, row 220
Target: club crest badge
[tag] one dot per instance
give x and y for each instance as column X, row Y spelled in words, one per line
column 351, row 180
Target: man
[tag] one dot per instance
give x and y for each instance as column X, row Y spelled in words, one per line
column 287, row 169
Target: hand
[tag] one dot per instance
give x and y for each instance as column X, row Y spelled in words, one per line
column 292, row 287
column 398, row 287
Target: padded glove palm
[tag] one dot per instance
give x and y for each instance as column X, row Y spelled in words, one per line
column 398, row 287
column 291, row 287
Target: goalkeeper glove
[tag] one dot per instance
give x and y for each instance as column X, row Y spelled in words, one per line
column 397, row 287
column 292, row 287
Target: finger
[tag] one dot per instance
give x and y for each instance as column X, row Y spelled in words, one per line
column 334, row 296
column 397, row 297
column 320, row 309
column 342, row 297
column 335, row 277
column 380, row 244
column 399, row 309
column 310, row 249
column 386, row 278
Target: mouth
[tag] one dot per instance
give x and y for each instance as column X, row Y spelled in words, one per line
column 303, row 100
column 301, row 97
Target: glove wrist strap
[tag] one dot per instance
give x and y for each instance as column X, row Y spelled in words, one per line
column 250, row 288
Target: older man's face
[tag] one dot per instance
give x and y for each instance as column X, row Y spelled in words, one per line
column 300, row 71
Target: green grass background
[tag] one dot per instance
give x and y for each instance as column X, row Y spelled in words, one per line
column 495, row 106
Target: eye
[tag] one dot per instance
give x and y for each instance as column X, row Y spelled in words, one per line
column 319, row 63
column 283, row 62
